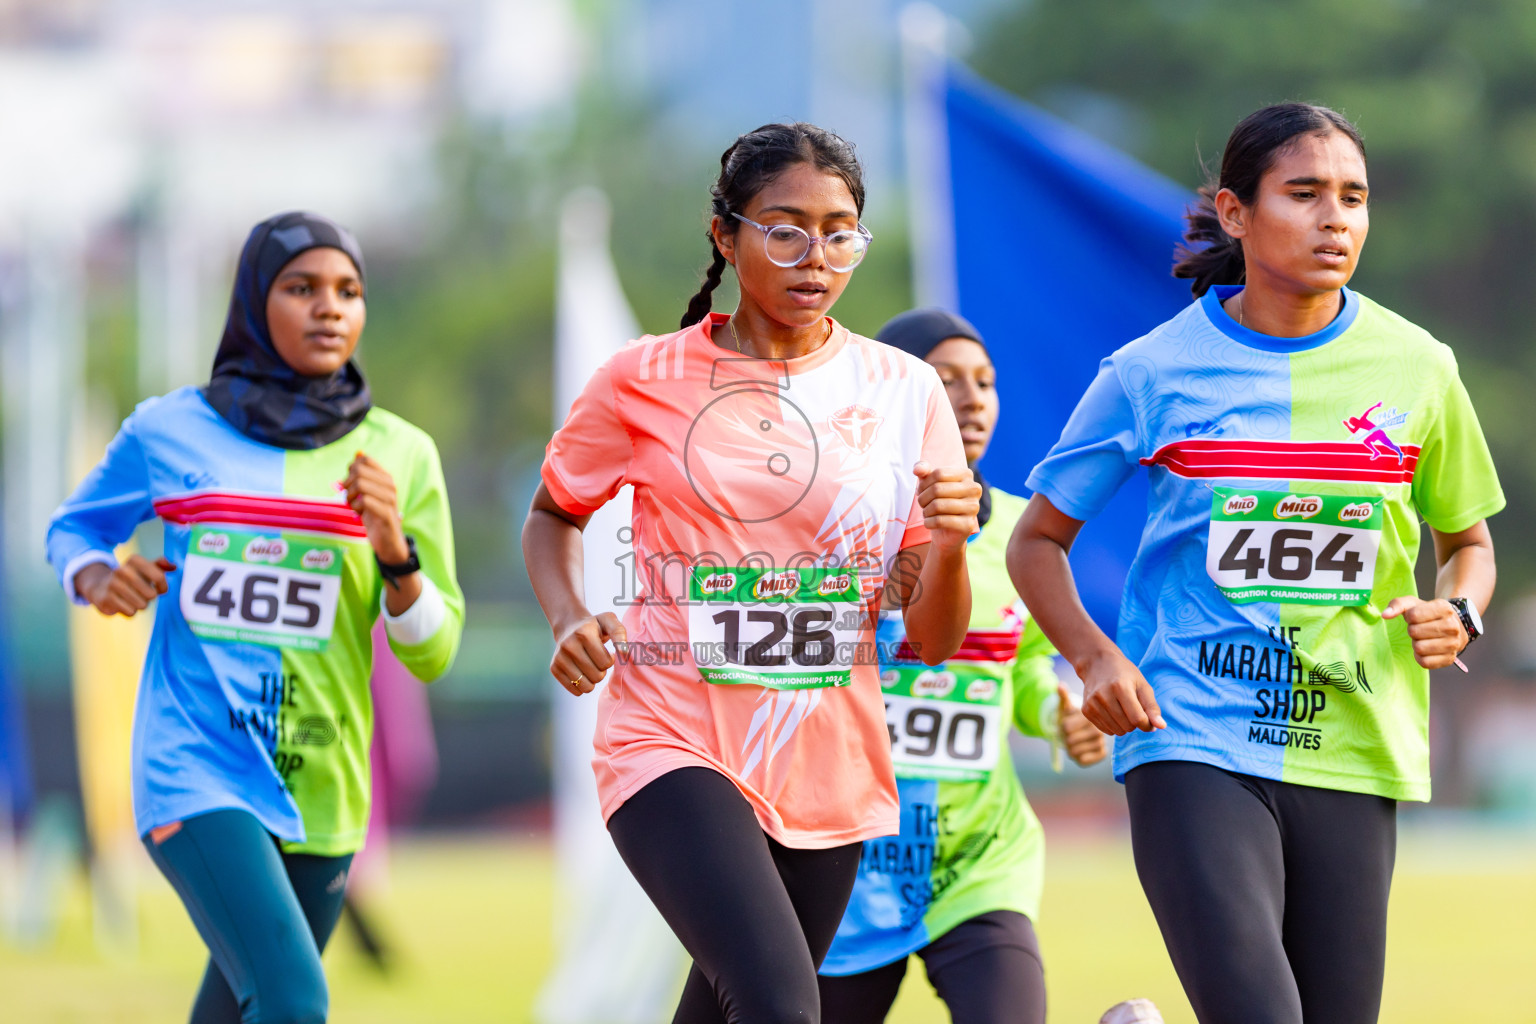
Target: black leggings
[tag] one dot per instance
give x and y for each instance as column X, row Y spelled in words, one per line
column 756, row 916
column 1272, row 897
column 987, row 970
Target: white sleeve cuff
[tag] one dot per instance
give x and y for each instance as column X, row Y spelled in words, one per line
column 421, row 621
column 1050, row 716
column 80, row 561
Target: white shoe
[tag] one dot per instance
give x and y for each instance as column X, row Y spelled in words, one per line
column 1132, row 1011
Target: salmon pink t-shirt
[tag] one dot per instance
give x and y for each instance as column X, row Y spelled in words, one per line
column 746, row 471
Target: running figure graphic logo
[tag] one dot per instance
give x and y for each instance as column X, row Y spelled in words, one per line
column 1376, row 440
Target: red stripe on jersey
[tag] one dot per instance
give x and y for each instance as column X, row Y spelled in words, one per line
column 272, row 511
column 978, row 645
column 1341, row 461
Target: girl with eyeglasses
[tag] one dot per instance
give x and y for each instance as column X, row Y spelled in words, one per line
column 1270, row 686
column 785, row 473
column 296, row 512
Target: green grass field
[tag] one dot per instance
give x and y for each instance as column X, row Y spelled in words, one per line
column 470, row 918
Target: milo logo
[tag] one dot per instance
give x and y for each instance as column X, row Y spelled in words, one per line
column 839, row 584
column 1358, row 512
column 266, row 549
column 213, row 544
column 1240, row 504
column 889, row 678
column 318, row 558
column 933, row 684
column 720, row 583
column 776, row 584
column 1294, row 507
column 981, row 690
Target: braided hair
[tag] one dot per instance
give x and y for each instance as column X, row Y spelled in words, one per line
column 1211, row 256
column 753, row 161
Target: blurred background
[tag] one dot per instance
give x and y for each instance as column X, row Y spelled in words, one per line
column 142, row 138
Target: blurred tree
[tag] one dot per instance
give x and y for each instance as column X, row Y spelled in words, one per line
column 1445, row 95
column 458, row 337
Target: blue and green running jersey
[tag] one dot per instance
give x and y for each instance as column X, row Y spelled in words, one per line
column 1288, row 478
column 969, row 842
column 254, row 694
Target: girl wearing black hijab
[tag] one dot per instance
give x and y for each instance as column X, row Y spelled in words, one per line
column 295, row 511
column 960, row 885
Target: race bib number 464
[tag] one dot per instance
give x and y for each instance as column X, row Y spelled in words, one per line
column 258, row 589
column 1301, row 548
column 787, row 629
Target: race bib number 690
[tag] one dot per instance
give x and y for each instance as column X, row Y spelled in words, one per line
column 1302, row 548
column 252, row 588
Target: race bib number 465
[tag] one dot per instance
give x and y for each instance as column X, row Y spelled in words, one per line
column 258, row 589
column 1301, row 548
column 787, row 629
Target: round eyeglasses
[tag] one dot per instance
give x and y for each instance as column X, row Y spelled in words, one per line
column 786, row 245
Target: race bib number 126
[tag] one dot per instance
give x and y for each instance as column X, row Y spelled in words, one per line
column 258, row 589
column 1301, row 548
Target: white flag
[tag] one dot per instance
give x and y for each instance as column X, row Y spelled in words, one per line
column 616, row 960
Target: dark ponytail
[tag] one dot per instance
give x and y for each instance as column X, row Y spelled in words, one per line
column 1209, row 255
column 753, row 161
column 698, row 306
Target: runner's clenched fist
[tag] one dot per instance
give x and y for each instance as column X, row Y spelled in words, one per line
column 949, row 500
column 126, row 590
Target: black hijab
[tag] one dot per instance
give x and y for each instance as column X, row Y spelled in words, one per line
column 919, row 332
column 260, row 395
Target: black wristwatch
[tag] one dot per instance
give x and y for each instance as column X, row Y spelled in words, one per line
column 393, row 573
column 1470, row 620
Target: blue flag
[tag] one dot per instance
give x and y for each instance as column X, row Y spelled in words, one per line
column 15, row 765
column 1062, row 248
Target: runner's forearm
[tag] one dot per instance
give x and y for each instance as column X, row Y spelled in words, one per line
column 1037, row 564
column 552, row 552
column 1466, row 565
column 399, row 598
column 940, row 608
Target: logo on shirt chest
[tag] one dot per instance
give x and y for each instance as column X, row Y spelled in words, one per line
column 1371, row 429
column 856, row 426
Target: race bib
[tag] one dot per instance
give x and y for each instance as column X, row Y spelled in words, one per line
column 945, row 723
column 258, row 589
column 1305, row 549
column 786, row 629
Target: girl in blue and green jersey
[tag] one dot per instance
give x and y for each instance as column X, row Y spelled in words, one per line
column 1270, row 678
column 295, row 511
column 960, row 885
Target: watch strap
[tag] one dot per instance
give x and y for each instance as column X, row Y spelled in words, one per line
column 1468, row 623
column 392, row 572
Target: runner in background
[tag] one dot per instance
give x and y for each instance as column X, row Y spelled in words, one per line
column 960, row 886
column 784, row 472
column 1271, row 684
column 294, row 511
